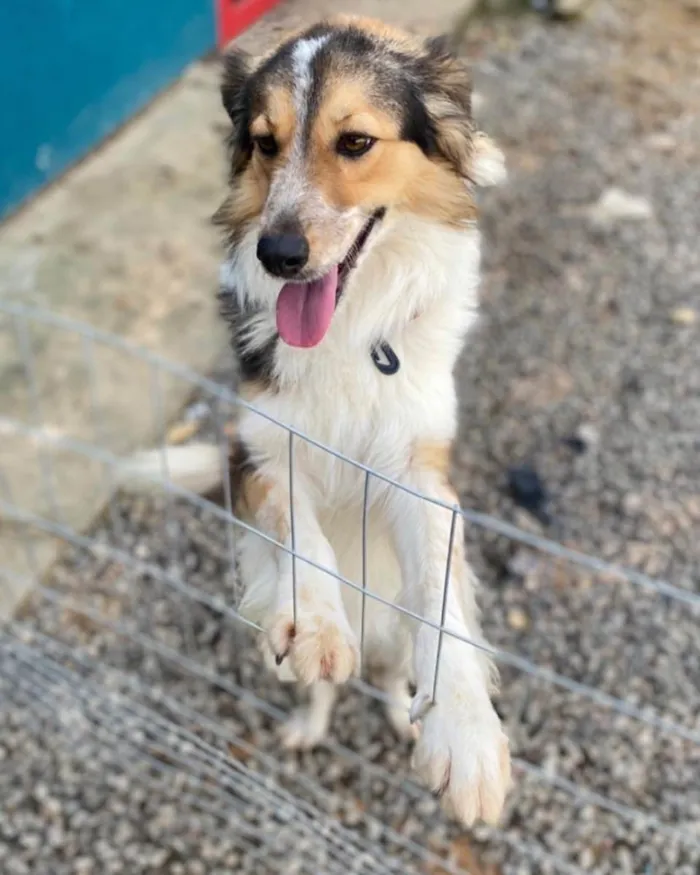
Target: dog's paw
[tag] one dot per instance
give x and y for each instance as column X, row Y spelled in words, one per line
column 462, row 755
column 320, row 647
column 303, row 729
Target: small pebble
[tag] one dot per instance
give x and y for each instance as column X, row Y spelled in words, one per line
column 684, row 316
column 517, row 619
column 616, row 205
column 524, row 562
column 576, row 444
column 584, row 438
column 632, row 504
column 662, row 142
column 528, row 491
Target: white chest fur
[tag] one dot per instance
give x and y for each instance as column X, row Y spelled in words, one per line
column 416, row 289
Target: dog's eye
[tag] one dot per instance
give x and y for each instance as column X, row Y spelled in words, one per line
column 354, row 145
column 267, row 146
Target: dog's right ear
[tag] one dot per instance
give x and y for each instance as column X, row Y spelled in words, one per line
column 235, row 96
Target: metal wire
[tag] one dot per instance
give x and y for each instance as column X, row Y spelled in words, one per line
column 225, row 462
column 485, row 521
column 189, row 717
column 292, row 527
column 363, row 608
column 169, row 521
column 37, row 695
column 443, row 609
column 594, row 694
column 166, row 739
column 24, row 344
column 190, row 667
column 37, row 677
column 99, row 437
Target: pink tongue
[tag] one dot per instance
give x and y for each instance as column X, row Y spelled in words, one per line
column 305, row 310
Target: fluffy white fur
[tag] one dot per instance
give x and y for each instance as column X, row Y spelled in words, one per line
column 416, row 287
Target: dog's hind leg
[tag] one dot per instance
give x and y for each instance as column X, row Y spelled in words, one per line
column 308, row 724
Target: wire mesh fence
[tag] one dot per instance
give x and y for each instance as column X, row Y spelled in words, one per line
column 132, row 654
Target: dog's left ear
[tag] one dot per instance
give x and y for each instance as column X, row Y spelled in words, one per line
column 474, row 157
column 237, row 69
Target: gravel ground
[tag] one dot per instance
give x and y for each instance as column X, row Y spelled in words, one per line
column 591, row 331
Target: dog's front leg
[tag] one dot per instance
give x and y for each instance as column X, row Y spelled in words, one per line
column 304, row 619
column 462, row 752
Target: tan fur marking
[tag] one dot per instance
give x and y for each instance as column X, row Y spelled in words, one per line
column 244, row 203
column 254, row 504
column 433, row 456
column 393, row 173
column 279, row 116
column 434, row 191
column 436, row 457
column 255, row 491
column 346, row 106
column 260, row 126
column 251, row 390
column 396, row 174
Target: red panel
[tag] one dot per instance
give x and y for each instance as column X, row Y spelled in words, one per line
column 234, row 16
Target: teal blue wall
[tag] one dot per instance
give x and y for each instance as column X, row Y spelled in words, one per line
column 72, row 71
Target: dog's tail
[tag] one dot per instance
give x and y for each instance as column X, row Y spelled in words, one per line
column 194, row 467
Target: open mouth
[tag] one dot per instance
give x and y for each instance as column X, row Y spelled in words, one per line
column 305, row 310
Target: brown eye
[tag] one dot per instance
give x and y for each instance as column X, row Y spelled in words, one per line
column 354, row 145
column 267, row 146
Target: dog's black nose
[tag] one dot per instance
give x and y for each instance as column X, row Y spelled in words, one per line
column 283, row 255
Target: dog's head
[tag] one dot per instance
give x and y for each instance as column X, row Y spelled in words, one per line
column 343, row 122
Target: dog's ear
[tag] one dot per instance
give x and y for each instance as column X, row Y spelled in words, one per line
column 448, row 102
column 237, row 67
column 235, row 96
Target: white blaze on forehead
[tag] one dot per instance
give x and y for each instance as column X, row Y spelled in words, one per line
column 289, row 185
column 302, row 56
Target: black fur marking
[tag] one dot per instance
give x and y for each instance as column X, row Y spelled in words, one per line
column 257, row 363
column 240, row 466
column 417, row 126
column 236, row 96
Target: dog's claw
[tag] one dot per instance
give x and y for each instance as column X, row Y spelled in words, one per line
column 420, row 707
column 279, row 657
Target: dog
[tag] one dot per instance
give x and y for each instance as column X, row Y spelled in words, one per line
column 350, row 285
